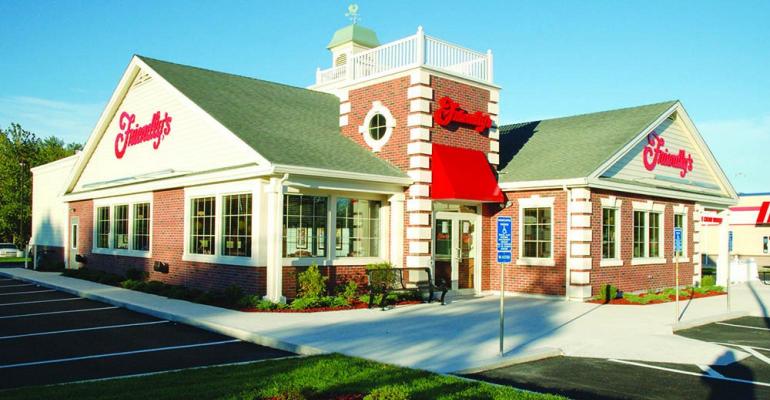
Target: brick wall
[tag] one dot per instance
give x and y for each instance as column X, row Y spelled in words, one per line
column 548, row 280
column 167, row 246
column 471, row 99
column 639, row 277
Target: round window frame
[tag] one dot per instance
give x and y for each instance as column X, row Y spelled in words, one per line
column 390, row 123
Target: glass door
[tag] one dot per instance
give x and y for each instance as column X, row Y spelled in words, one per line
column 456, row 250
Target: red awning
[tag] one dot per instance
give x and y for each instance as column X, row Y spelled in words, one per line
column 462, row 174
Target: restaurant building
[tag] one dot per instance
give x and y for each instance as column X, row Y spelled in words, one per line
column 396, row 154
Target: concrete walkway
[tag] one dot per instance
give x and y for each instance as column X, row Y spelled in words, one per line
column 460, row 336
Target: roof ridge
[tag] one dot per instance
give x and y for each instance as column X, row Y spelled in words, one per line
column 672, row 102
column 234, row 75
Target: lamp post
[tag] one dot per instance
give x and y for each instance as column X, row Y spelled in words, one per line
column 22, row 165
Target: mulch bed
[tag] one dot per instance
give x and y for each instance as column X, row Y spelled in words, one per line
column 623, row 301
column 354, row 396
column 355, row 306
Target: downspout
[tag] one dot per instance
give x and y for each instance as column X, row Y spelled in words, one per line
column 569, row 228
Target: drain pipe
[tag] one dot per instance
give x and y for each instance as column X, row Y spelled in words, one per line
column 569, row 227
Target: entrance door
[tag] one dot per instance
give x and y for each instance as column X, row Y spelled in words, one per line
column 456, row 250
column 73, row 249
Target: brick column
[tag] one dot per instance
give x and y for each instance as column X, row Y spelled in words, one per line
column 697, row 251
column 419, row 150
column 579, row 238
column 344, row 107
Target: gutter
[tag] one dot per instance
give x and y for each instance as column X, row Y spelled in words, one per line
column 327, row 173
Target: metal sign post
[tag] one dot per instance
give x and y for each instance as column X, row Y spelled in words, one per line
column 729, row 267
column 504, row 225
column 677, row 253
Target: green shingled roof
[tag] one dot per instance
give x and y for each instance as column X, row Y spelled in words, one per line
column 285, row 124
column 570, row 147
column 354, row 33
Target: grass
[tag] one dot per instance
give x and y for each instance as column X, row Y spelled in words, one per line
column 14, row 260
column 316, row 377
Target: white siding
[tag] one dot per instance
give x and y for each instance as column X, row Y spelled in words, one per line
column 631, row 166
column 49, row 211
column 194, row 144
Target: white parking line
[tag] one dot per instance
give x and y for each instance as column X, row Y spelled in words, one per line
column 123, row 353
column 95, row 328
column 723, row 378
column 758, row 355
column 742, row 345
column 742, row 326
column 30, row 292
column 23, row 284
column 5, row 279
column 40, row 301
column 57, row 312
column 710, row 371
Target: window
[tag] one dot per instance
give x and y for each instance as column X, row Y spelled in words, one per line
column 377, row 127
column 609, row 233
column 358, row 228
column 304, row 226
column 103, row 227
column 654, row 235
column 202, row 219
column 74, row 236
column 639, row 234
column 120, row 238
column 537, row 233
column 236, row 225
column 141, row 227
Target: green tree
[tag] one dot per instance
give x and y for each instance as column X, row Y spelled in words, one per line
column 21, row 150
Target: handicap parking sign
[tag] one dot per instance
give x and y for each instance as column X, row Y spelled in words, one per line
column 504, row 226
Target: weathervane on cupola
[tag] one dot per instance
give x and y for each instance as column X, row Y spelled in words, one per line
column 353, row 13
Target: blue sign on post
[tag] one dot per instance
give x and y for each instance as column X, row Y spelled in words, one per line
column 504, row 226
column 678, row 240
column 730, row 242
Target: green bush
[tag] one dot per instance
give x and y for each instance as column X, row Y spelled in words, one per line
column 232, row 295
column 302, row 303
column 708, row 280
column 349, row 291
column 130, row 284
column 137, row 274
column 395, row 392
column 382, row 265
column 603, row 293
column 311, row 283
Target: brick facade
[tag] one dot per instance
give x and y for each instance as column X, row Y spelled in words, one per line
column 167, row 246
column 630, row 277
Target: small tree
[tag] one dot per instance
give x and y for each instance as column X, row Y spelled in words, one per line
column 311, row 282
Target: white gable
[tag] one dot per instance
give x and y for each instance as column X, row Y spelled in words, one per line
column 670, row 156
column 156, row 132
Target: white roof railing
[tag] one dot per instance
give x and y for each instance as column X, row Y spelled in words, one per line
column 412, row 51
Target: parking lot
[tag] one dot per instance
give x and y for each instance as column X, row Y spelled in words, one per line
column 47, row 336
column 591, row 378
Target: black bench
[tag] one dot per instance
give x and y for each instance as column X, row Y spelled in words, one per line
column 764, row 275
column 391, row 280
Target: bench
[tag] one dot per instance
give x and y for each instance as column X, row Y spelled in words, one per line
column 764, row 275
column 391, row 280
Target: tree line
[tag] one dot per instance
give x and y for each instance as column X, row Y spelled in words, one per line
column 21, row 150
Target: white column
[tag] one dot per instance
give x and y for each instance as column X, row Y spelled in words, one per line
column 274, row 229
column 723, row 258
column 397, row 229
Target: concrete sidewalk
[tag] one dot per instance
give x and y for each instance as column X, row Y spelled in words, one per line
column 460, row 336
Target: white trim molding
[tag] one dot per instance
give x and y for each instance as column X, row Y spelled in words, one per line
column 390, row 123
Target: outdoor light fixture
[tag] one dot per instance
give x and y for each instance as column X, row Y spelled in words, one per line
column 160, row 266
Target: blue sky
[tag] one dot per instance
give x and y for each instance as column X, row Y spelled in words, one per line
column 61, row 60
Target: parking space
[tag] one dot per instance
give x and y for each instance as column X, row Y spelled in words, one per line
column 590, row 378
column 47, row 336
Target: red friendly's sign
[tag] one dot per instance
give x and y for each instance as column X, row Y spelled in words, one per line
column 449, row 111
column 134, row 134
column 655, row 154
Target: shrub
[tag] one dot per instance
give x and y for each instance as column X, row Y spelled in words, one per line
column 302, row 303
column 349, row 290
column 130, row 284
column 382, row 265
column 311, row 283
column 137, row 275
column 232, row 295
column 708, row 280
column 290, row 394
column 613, row 293
column 389, row 393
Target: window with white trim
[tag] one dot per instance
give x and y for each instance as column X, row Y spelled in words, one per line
column 648, row 234
column 358, row 228
column 141, row 224
column 202, row 225
column 610, row 233
column 537, row 240
column 377, row 126
column 236, row 225
column 103, row 227
column 304, row 226
column 120, row 237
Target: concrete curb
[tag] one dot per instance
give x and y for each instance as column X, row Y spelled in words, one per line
column 529, row 356
column 707, row 320
column 236, row 333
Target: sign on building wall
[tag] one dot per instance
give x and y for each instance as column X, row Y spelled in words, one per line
column 132, row 134
column 449, row 111
column 656, row 154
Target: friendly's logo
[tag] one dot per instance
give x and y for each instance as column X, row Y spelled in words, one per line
column 655, row 154
column 449, row 111
column 134, row 134
column 763, row 218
